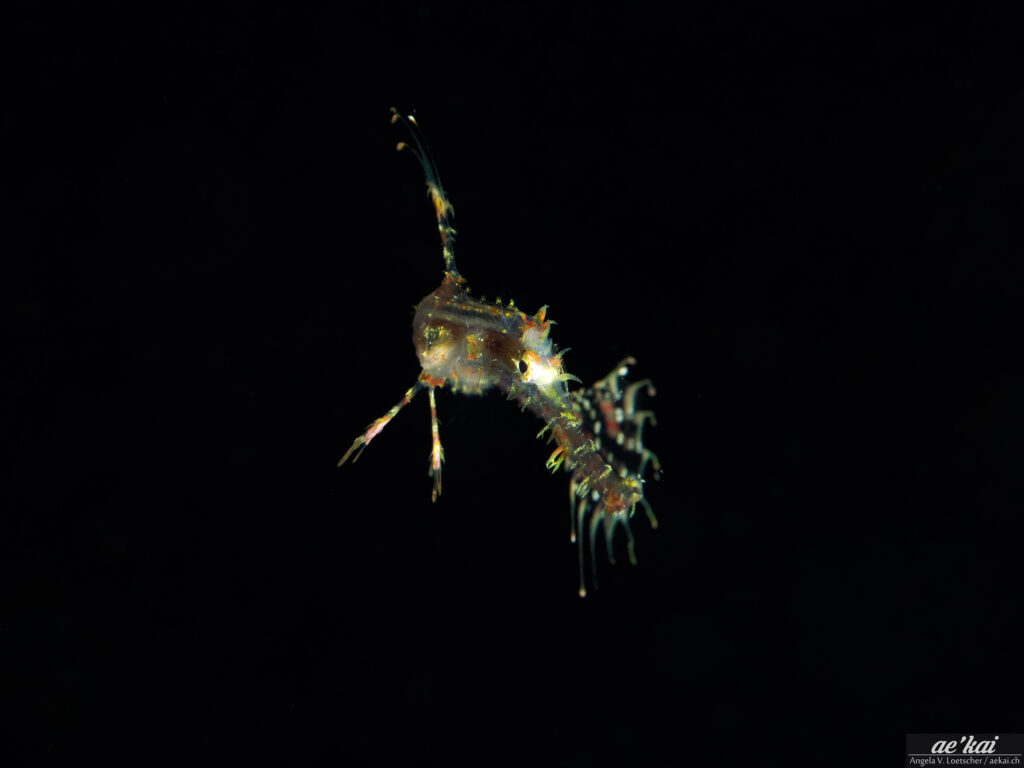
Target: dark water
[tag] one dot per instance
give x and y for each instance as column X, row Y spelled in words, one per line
column 804, row 229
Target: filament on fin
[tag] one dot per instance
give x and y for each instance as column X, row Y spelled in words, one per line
column 442, row 207
column 581, row 510
column 375, row 429
column 436, row 452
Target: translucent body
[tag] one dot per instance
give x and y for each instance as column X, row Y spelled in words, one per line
column 471, row 345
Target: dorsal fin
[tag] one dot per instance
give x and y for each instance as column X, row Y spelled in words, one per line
column 442, row 207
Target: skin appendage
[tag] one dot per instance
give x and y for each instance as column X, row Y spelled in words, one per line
column 472, row 345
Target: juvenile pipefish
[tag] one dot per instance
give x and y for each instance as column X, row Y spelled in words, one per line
column 472, row 345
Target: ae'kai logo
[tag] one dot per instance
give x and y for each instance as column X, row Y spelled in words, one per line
column 972, row 747
column 963, row 751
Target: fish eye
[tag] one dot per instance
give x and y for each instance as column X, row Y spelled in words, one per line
column 523, row 367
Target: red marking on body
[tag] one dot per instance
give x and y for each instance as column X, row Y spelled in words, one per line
column 607, row 409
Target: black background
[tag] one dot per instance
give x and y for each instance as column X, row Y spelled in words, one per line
column 802, row 224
